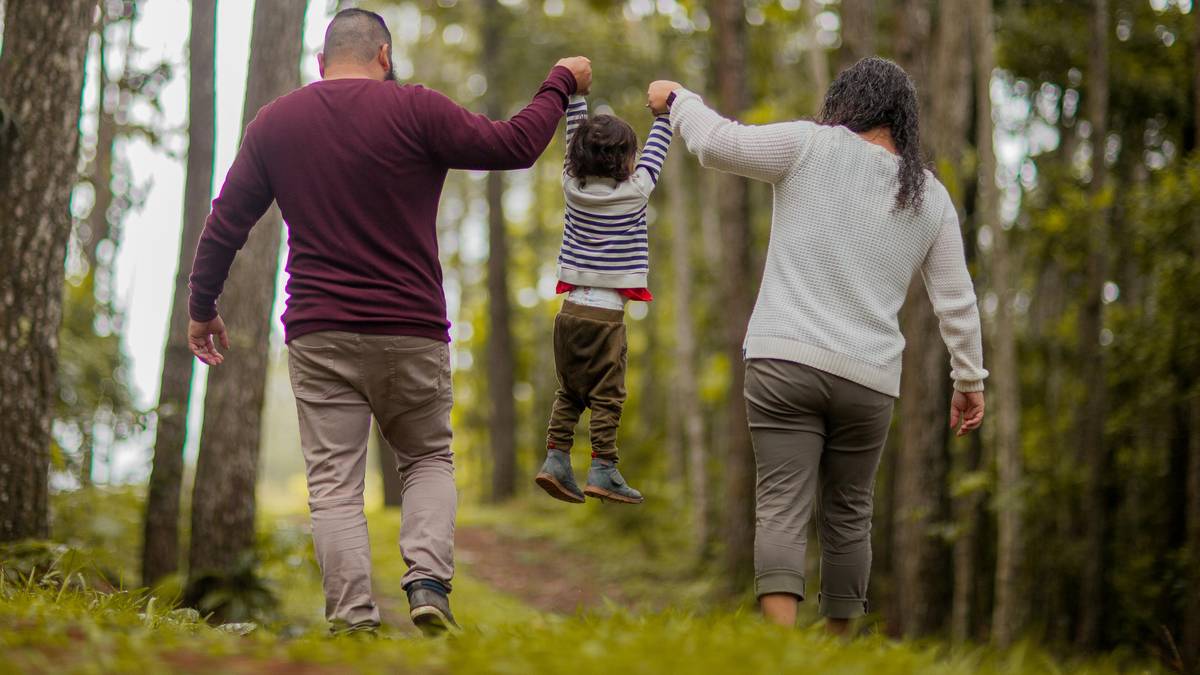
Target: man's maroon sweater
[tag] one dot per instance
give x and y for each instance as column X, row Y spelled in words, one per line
column 357, row 168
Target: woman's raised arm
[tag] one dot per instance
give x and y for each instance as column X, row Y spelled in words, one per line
column 763, row 152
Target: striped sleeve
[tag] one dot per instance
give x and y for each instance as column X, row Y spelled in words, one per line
column 576, row 113
column 657, row 143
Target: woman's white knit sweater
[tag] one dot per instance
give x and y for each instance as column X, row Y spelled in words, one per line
column 842, row 255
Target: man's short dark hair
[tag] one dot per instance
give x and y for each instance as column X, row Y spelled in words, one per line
column 355, row 35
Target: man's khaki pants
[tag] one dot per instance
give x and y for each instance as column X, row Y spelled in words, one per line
column 340, row 380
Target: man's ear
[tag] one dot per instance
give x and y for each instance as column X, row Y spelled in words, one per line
column 385, row 59
column 321, row 64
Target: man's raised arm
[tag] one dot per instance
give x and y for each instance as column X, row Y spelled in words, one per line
column 460, row 139
column 245, row 197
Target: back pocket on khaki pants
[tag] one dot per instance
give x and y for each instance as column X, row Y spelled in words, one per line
column 416, row 369
column 312, row 367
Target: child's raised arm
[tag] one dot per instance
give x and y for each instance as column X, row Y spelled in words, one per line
column 655, row 151
column 576, row 113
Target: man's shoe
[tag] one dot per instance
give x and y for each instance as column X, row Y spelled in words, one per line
column 605, row 482
column 558, row 479
column 429, row 608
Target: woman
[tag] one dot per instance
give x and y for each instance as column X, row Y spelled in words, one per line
column 855, row 216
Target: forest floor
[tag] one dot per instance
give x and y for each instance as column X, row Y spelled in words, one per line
column 533, row 592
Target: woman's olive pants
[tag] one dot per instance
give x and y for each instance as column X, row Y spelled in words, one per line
column 817, row 440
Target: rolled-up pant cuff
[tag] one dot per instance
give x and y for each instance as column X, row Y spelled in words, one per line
column 842, row 608
column 779, row 581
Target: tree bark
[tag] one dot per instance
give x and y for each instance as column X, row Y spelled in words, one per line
column 685, row 389
column 921, row 466
column 39, row 138
column 858, row 32
column 223, row 500
column 733, row 204
column 160, row 552
column 1091, row 422
column 502, row 422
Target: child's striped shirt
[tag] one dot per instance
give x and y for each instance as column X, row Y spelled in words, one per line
column 605, row 242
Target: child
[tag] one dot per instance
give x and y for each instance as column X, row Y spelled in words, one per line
column 603, row 262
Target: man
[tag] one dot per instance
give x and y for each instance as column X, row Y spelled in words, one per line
column 357, row 164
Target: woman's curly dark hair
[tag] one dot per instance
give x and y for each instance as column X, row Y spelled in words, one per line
column 603, row 146
column 877, row 93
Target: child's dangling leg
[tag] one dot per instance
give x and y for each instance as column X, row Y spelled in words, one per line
column 556, row 476
column 606, row 398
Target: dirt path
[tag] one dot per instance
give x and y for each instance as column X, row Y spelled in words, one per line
column 537, row 571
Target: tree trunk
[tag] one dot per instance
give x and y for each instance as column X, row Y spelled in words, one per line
column 911, row 46
column 1007, row 609
column 1191, row 620
column 1195, row 78
column 858, row 32
column 502, row 422
column 99, row 227
column 102, row 165
column 685, row 390
column 160, row 553
column 39, row 137
column 729, row 28
column 818, row 59
column 1091, row 422
column 921, row 466
column 223, row 501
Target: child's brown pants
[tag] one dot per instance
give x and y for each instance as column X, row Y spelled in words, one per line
column 589, row 359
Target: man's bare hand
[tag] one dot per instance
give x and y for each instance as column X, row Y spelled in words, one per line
column 658, row 93
column 581, row 68
column 967, row 408
column 200, row 340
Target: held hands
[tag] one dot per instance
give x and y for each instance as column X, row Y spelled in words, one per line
column 967, row 408
column 658, row 93
column 200, row 340
column 581, row 68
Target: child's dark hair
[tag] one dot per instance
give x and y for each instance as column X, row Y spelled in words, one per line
column 603, row 146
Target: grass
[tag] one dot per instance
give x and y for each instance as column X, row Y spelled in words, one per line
column 61, row 619
column 52, row 630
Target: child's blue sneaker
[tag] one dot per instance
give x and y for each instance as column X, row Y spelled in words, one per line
column 606, row 483
column 558, row 479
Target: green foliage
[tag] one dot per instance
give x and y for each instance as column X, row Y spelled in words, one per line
column 105, row 521
column 240, row 594
column 95, row 408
